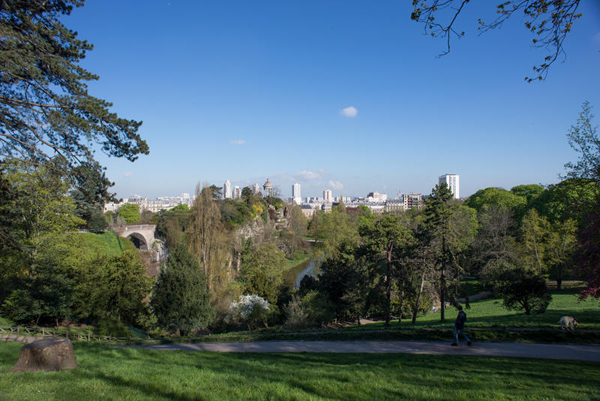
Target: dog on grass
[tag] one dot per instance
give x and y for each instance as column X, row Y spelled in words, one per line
column 568, row 322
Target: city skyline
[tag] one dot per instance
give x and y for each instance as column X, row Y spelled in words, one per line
column 348, row 96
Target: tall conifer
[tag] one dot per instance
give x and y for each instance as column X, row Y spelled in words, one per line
column 181, row 299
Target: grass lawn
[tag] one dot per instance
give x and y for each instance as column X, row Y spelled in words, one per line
column 109, row 242
column 134, row 374
column 490, row 313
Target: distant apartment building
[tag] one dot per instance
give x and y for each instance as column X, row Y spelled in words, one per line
column 237, row 192
column 395, row 206
column 255, row 189
column 227, row 190
column 153, row 205
column 296, row 197
column 453, row 183
column 328, row 196
column 376, row 197
column 413, row 200
column 308, row 210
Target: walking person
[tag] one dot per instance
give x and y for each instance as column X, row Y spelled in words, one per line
column 459, row 326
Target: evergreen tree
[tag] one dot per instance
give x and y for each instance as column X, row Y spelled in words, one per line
column 181, row 299
column 45, row 107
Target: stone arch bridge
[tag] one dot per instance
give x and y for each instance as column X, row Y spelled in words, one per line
column 142, row 235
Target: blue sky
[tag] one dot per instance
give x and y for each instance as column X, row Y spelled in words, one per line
column 342, row 95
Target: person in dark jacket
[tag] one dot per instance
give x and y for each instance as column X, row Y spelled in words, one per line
column 459, row 327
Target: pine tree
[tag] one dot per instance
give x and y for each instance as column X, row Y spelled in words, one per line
column 181, row 299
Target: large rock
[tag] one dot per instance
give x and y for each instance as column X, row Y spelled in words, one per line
column 48, row 354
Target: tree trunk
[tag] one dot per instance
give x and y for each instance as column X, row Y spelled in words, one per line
column 416, row 309
column 401, row 301
column 559, row 276
column 442, row 293
column 388, row 287
column 443, row 280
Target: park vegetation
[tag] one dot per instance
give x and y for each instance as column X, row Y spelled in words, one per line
column 228, row 257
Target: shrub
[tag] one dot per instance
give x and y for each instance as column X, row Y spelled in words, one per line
column 320, row 309
column 249, row 310
column 113, row 328
column 522, row 289
column 296, row 314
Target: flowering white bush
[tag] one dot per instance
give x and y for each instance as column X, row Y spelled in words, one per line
column 249, row 309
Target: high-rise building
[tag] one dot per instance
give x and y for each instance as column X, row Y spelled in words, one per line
column 227, row 190
column 255, row 189
column 237, row 192
column 296, row 193
column 328, row 196
column 453, row 183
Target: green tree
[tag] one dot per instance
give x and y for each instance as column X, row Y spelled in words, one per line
column 344, row 277
column 45, row 107
column 495, row 243
column 534, row 237
column 529, row 191
column 521, row 289
column 549, row 21
column 496, row 197
column 90, row 191
column 262, row 272
column 450, row 228
column 335, row 228
column 208, row 241
column 180, row 299
column 38, row 206
column 385, row 239
column 130, row 212
column 583, row 138
column 171, row 225
column 113, row 288
column 570, row 199
column 562, row 243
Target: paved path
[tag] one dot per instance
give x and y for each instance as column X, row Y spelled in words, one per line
column 590, row 353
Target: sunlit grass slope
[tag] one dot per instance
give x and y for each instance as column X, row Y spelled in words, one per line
column 128, row 374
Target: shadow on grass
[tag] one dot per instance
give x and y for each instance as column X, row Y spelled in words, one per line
column 108, row 373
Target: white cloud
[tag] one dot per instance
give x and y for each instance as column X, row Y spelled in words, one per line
column 238, row 142
column 309, row 175
column 128, row 174
column 338, row 186
column 349, row 112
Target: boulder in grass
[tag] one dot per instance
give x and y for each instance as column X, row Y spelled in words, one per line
column 46, row 355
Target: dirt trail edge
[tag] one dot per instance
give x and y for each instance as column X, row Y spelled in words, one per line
column 589, row 353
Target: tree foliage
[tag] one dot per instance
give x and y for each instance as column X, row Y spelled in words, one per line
column 130, row 212
column 385, row 239
column 180, row 298
column 262, row 272
column 45, row 107
column 114, row 288
column 521, row 289
column 584, row 139
column 496, row 197
column 549, row 21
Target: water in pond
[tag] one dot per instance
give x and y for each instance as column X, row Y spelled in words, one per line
column 295, row 274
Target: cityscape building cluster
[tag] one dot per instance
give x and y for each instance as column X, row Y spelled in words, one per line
column 375, row 201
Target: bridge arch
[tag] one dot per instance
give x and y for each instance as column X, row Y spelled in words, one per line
column 139, row 241
column 142, row 235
